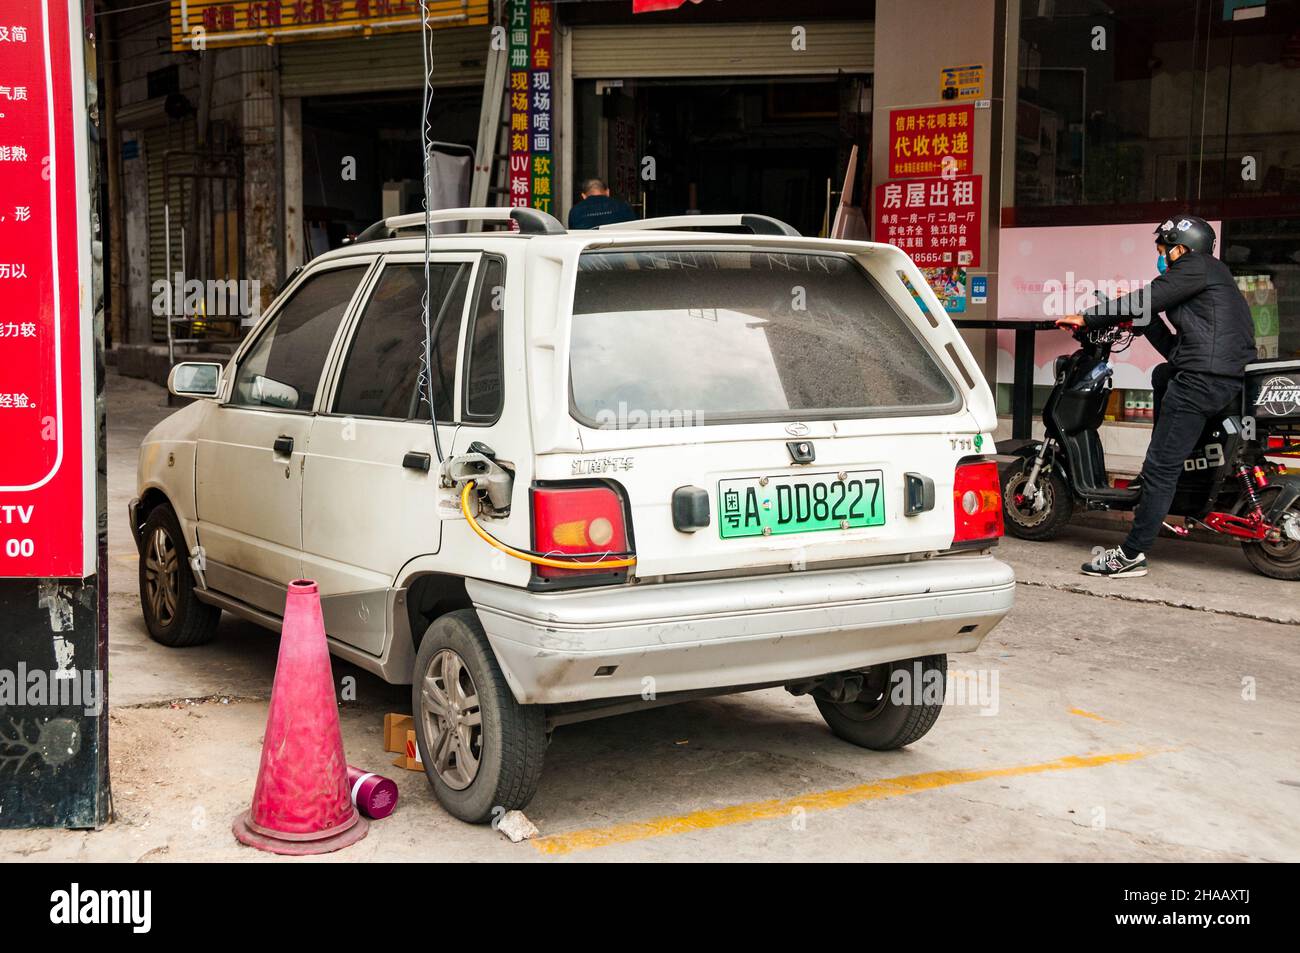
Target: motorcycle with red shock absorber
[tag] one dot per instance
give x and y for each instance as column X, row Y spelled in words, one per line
column 1235, row 483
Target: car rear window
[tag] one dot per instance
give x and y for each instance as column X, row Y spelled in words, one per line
column 687, row 338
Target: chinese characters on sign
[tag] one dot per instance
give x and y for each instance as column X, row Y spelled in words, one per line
column 936, row 221
column 46, row 403
column 934, row 213
column 244, row 22
column 957, row 83
column 935, row 140
column 531, row 160
column 600, row 465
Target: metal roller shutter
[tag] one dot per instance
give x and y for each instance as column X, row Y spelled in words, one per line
column 157, row 141
column 722, row 49
column 382, row 63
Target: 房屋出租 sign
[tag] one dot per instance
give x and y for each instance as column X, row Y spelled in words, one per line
column 936, row 221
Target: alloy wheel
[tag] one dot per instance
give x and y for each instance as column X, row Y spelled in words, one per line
column 162, row 574
column 453, row 721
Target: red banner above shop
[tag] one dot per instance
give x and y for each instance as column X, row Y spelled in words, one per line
column 654, row 6
column 198, row 25
column 931, row 141
column 46, row 400
column 936, row 221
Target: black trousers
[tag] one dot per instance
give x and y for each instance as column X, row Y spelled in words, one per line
column 1183, row 402
column 1161, row 375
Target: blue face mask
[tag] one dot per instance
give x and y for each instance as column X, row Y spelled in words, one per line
column 1161, row 264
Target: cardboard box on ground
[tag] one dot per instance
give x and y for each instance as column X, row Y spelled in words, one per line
column 399, row 738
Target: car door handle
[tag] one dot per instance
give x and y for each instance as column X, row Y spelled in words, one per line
column 415, row 460
column 283, row 445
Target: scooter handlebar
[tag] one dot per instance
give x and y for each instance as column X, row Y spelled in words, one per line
column 1111, row 334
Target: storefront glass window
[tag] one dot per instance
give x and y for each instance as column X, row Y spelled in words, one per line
column 1136, row 110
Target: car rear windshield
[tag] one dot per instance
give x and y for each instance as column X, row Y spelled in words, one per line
column 687, row 338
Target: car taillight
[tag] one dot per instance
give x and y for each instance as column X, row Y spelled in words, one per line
column 976, row 502
column 578, row 521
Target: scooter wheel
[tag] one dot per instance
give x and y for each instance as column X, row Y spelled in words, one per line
column 1021, row 518
column 1279, row 559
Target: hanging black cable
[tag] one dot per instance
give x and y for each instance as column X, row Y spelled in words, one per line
column 430, row 329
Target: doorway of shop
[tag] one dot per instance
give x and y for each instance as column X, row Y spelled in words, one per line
column 677, row 146
column 361, row 157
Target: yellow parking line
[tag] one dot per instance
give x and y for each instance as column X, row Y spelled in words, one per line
column 1088, row 714
column 816, row 801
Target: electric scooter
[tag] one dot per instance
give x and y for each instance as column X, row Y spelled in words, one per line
column 1232, row 484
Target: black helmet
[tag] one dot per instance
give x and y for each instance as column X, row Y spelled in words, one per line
column 1187, row 230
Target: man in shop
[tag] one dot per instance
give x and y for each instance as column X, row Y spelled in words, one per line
column 1212, row 341
column 598, row 207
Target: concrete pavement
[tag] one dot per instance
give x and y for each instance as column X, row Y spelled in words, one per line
column 1134, row 720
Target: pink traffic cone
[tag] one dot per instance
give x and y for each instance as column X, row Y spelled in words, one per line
column 302, row 803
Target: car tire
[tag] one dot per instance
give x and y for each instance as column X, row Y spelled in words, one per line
column 482, row 750
column 882, row 719
column 1048, row 522
column 173, row 614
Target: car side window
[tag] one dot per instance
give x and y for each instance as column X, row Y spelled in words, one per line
column 282, row 369
column 381, row 373
column 484, row 371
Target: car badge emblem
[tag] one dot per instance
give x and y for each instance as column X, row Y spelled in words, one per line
column 798, row 429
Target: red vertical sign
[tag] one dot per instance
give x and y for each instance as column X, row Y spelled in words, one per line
column 46, row 460
column 936, row 221
column 931, row 141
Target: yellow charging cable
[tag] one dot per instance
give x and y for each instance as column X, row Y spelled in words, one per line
column 534, row 557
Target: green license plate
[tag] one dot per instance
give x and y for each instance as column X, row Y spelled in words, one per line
column 802, row 503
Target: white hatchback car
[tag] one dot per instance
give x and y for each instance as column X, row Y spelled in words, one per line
column 671, row 460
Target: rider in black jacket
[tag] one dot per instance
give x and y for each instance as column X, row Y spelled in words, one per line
column 1212, row 341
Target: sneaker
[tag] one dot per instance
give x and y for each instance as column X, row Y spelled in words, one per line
column 1113, row 562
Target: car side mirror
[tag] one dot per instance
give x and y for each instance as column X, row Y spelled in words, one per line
column 272, row 393
column 195, row 379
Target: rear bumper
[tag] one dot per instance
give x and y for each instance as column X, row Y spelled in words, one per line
column 723, row 633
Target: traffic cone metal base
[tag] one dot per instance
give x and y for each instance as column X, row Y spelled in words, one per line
column 302, row 801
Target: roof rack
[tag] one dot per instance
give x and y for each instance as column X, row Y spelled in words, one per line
column 758, row 224
column 531, row 221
